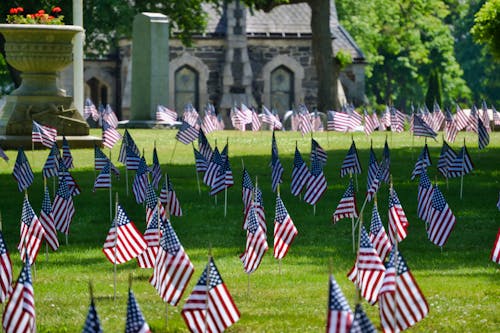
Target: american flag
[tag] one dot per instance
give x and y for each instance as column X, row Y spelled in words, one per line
column 3, row 155
column 129, row 152
column 209, row 123
column 256, row 124
column 46, row 135
column 316, row 184
column 423, row 161
column 166, row 115
column 103, row 180
column 123, row 242
column 370, row 123
column 22, row 171
column 140, row 184
column 424, row 196
column 305, row 125
column 401, row 302
column 484, row 116
column 47, row 221
column 372, row 168
column 318, row 151
column 238, row 119
column 223, row 178
column 204, row 146
column 385, row 118
column 186, row 133
column 351, row 164
column 172, row 203
column 246, row 190
column 441, row 219
column 201, row 163
column 73, row 187
column 213, row 167
column 110, row 135
column 271, row 119
column 173, row 269
column 461, row 165
column 51, row 166
column 495, row 251
column 361, row 323
column 294, row 120
column 256, row 245
column 472, row 124
column 190, row 115
column 62, row 207
column 135, row 320
column 228, row 178
column 482, row 134
column 92, row 322
column 155, row 170
column 398, row 223
column 19, row 313
column 109, row 116
column 276, row 166
column 89, row 110
column 5, row 271
column 368, row 270
column 437, row 118
column 210, row 307
column 316, row 122
column 284, row 230
column 377, row 180
column 347, row 205
column 32, row 233
column 300, row 173
column 338, row 121
column 378, row 236
column 101, row 160
column 355, row 119
column 256, row 207
column 339, row 318
column 461, row 118
column 386, row 157
column 446, row 157
column 496, row 116
column 132, row 160
column 66, row 155
column 450, row 127
column 151, row 202
column 152, row 233
column 421, row 128
column 397, row 120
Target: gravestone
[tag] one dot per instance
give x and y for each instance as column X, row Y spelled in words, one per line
column 150, row 56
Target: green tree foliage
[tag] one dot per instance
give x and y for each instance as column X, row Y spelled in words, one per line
column 486, row 29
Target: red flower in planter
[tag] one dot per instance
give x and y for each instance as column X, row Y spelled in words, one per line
column 56, row 10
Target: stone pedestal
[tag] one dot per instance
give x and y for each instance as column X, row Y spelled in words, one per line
column 150, row 54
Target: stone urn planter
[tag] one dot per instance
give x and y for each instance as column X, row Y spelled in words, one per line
column 39, row 52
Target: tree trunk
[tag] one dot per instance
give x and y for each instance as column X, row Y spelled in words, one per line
column 323, row 55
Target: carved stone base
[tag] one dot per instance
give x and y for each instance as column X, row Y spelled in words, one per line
column 56, row 111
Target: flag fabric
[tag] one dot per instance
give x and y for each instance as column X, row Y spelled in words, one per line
column 461, row 165
column 3, row 155
column 224, row 177
column 256, row 124
column 397, row 120
column 319, row 151
column 271, row 119
column 472, row 123
column 228, row 177
column 386, row 158
column 276, row 166
column 19, row 313
column 190, row 115
column 482, row 134
column 209, row 122
column 140, row 184
column 22, row 172
column 377, row 180
column 47, row 220
column 284, row 230
column 300, row 173
column 351, row 164
column 171, row 201
column 135, row 320
column 66, row 155
column 421, row 128
column 123, row 242
column 446, row 157
column 372, row 168
column 461, row 118
column 92, row 322
column 316, row 184
column 256, row 244
column 370, row 124
column 450, row 127
column 5, row 271
column 495, row 251
column 31, row 233
column 347, row 205
column 187, row 133
column 152, row 233
column 238, row 119
column 151, row 203
column 398, row 223
column 246, row 190
column 109, row 116
column 210, row 307
column 201, row 163
column 441, row 219
column 62, row 207
column 256, row 207
column 339, row 318
column 424, row 196
column 129, row 152
column 401, row 302
column 213, row 167
column 316, row 122
column 355, row 119
column 103, row 180
column 204, row 146
column 361, row 323
column 338, row 121
column 166, row 115
column 46, row 135
column 89, row 110
column 437, row 118
column 155, row 170
column 73, row 187
column 101, row 160
column 368, row 270
column 423, row 161
column 110, row 135
column 51, row 166
column 173, row 269
column 378, row 236
column 132, row 160
column 496, row 116
column 304, row 124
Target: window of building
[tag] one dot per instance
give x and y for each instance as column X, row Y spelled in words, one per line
column 186, row 88
column 282, row 94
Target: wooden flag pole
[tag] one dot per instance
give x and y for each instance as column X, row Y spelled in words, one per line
column 225, row 202
column 196, row 172
column 116, row 240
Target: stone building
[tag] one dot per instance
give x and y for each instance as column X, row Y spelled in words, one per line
column 243, row 57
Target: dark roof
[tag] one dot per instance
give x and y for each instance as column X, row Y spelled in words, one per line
column 285, row 21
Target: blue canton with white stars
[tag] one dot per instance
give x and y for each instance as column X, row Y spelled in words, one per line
column 169, row 240
column 214, row 278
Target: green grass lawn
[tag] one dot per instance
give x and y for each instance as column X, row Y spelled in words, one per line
column 461, row 284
